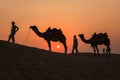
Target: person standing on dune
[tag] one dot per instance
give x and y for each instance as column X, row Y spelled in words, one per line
column 14, row 29
column 75, row 45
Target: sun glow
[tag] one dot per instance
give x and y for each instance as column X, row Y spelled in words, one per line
column 58, row 46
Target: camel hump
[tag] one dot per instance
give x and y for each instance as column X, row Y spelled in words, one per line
column 56, row 31
column 105, row 35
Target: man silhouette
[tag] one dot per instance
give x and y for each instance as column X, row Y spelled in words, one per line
column 14, row 29
column 75, row 44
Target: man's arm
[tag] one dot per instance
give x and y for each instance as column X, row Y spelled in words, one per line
column 16, row 29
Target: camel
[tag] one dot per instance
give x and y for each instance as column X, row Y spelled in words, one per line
column 97, row 39
column 51, row 35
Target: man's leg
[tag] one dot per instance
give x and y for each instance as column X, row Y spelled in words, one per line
column 76, row 50
column 73, row 50
column 9, row 38
column 13, row 39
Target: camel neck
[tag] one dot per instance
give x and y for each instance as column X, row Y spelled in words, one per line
column 39, row 33
column 84, row 40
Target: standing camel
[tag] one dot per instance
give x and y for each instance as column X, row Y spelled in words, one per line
column 51, row 35
column 97, row 39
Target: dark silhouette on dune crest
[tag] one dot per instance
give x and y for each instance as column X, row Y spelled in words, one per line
column 97, row 39
column 14, row 29
column 51, row 35
column 75, row 45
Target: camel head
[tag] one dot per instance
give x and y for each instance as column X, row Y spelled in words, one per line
column 83, row 38
column 81, row 35
column 33, row 27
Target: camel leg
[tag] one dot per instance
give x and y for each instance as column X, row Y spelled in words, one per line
column 94, row 51
column 65, row 46
column 97, row 50
column 49, row 45
column 108, row 50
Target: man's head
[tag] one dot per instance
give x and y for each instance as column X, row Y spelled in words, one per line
column 13, row 22
column 74, row 36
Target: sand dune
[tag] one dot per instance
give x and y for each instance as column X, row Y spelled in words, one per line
column 18, row 62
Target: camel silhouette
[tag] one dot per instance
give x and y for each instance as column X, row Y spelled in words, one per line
column 51, row 35
column 97, row 39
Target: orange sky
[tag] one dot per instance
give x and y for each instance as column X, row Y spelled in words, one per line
column 72, row 16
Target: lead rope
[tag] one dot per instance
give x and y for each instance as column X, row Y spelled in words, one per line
column 27, row 37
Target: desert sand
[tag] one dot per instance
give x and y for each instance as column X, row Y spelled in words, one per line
column 19, row 62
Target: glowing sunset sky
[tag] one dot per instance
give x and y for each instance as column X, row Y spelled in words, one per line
column 72, row 16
